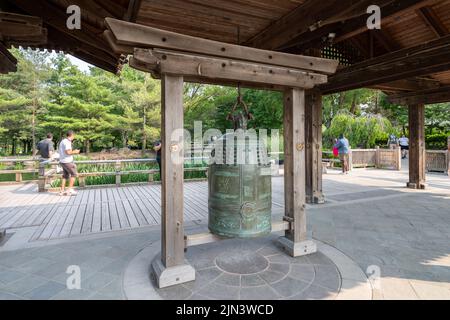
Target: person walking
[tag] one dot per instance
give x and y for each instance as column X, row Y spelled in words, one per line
column 343, row 147
column 66, row 161
column 404, row 146
column 45, row 148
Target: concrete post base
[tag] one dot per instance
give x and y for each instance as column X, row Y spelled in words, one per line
column 297, row 249
column 166, row 277
column 411, row 185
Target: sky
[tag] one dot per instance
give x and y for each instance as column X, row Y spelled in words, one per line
column 83, row 66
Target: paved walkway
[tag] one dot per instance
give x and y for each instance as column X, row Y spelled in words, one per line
column 402, row 235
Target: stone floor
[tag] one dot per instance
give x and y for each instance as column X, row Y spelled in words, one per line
column 253, row 270
column 400, row 237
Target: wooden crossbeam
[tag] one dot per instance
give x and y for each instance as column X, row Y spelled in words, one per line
column 128, row 34
column 421, row 60
column 133, row 9
column 358, row 25
column 433, row 21
column 304, row 18
column 438, row 95
column 217, row 69
column 57, row 19
column 18, row 28
column 8, row 63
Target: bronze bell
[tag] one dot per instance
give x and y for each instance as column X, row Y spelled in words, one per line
column 240, row 186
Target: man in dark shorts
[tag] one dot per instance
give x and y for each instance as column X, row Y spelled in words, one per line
column 66, row 161
column 157, row 148
column 404, row 146
column 45, row 148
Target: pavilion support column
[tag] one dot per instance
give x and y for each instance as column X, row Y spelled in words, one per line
column 313, row 132
column 416, row 146
column 295, row 241
column 171, row 268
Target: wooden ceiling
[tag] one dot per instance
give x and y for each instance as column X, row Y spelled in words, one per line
column 293, row 26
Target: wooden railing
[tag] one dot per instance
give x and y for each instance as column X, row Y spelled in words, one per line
column 19, row 172
column 377, row 158
column 47, row 171
column 438, row 161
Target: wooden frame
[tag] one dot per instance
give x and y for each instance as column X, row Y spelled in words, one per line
column 417, row 147
column 175, row 58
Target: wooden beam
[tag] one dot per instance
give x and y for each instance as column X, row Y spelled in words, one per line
column 308, row 17
column 133, row 9
column 413, row 84
column 313, row 134
column 389, row 13
column 439, row 95
column 416, row 147
column 18, row 28
column 8, row 63
column 433, row 21
column 294, row 163
column 406, row 63
column 172, row 230
column 135, row 35
column 220, row 69
column 56, row 18
column 349, row 28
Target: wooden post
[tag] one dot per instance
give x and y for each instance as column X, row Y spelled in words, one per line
column 377, row 157
column 41, row 178
column 313, row 134
column 416, row 146
column 82, row 182
column 18, row 177
column 118, row 167
column 295, row 240
column 448, row 156
column 398, row 158
column 172, row 269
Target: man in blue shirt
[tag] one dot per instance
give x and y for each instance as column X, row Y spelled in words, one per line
column 343, row 147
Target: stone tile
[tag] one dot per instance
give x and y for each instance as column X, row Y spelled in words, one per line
column 25, row 284
column 46, row 291
column 259, row 293
column 314, row 292
column 116, row 267
column 397, row 289
column 113, row 290
column 34, row 265
column 9, row 296
column 220, row 292
column 177, row 292
column 96, row 263
column 98, row 296
column 327, row 276
column 279, row 258
column 278, row 267
column 289, row 286
column 271, row 276
column 97, row 281
column 229, row 280
column 203, row 278
column 252, row 280
column 8, row 276
column 74, row 294
column 15, row 260
column 302, row 272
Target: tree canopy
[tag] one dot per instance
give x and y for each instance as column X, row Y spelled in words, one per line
column 50, row 94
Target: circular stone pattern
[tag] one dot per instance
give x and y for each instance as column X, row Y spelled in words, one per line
column 254, row 269
column 242, row 263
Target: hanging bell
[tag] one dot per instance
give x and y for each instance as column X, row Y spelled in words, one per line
column 240, row 184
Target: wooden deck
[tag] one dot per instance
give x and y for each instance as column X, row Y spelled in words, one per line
column 93, row 210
